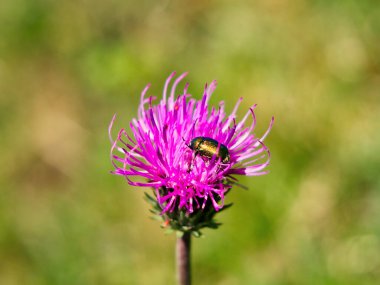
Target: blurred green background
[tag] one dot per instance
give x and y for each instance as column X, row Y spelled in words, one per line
column 67, row 66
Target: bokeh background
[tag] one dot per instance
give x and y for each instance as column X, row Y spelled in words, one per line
column 67, row 66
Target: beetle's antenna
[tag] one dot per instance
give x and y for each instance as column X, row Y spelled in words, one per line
column 185, row 142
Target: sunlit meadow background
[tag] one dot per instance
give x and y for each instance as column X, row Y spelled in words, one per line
column 67, row 66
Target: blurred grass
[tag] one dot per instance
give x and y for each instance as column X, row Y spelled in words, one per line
column 67, row 66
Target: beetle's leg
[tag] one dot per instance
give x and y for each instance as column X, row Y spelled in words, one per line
column 195, row 153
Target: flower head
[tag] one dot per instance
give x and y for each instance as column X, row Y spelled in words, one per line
column 187, row 151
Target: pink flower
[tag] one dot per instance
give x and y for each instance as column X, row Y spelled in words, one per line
column 158, row 152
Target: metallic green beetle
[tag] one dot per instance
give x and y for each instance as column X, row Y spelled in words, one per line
column 208, row 147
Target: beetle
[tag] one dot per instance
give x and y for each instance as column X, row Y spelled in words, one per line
column 208, row 147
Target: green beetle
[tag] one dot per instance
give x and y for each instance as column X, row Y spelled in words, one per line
column 208, row 147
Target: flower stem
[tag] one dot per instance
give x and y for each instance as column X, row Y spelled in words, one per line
column 183, row 259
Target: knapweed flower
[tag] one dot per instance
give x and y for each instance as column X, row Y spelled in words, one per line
column 166, row 149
